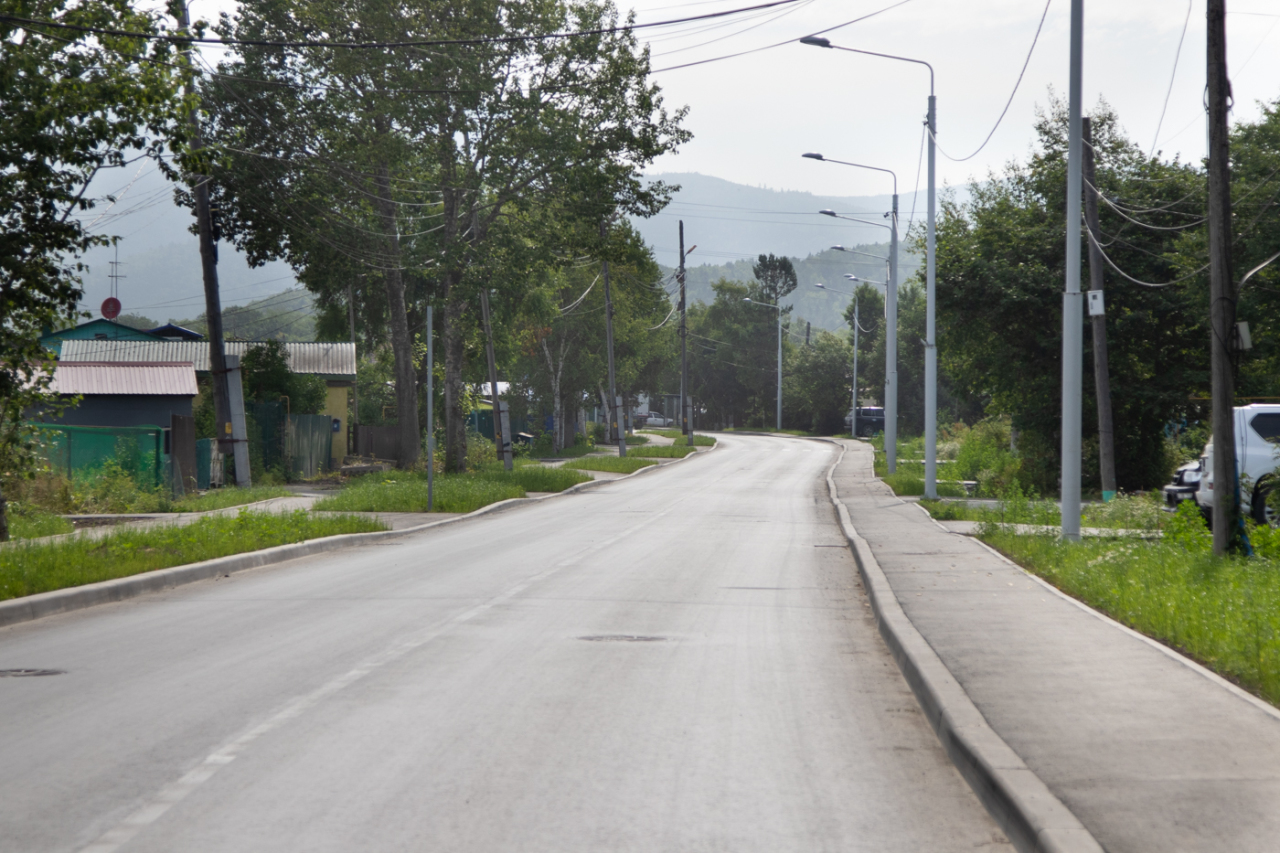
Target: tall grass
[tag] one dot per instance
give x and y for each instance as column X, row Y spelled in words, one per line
column 400, row 491
column 694, row 440
column 668, row 452
column 30, row 568
column 1224, row 612
column 28, row 522
column 613, row 464
column 534, row 478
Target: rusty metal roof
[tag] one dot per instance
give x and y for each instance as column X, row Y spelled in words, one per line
column 328, row 359
column 125, row 378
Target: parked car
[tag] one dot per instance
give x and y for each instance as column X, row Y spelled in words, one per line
column 655, row 419
column 1257, row 429
column 1186, row 482
column 870, row 421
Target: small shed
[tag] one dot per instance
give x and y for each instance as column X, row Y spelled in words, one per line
column 125, row 393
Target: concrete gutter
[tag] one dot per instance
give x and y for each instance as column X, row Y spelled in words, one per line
column 31, row 607
column 1031, row 816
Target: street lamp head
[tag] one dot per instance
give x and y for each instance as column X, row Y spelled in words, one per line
column 813, row 156
column 816, row 41
column 838, row 248
column 746, row 299
column 851, row 277
column 820, row 284
column 827, row 212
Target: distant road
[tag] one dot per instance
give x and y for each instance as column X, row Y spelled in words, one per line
column 683, row 661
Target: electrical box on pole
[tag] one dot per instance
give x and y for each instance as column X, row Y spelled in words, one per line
column 1096, row 308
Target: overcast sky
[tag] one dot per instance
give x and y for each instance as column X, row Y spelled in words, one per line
column 753, row 115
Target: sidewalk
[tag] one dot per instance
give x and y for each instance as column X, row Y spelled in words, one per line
column 1146, row 749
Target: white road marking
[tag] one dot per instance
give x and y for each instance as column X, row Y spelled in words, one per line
column 178, row 790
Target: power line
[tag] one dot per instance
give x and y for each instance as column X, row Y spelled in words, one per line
column 1172, row 75
column 1008, row 103
column 376, row 45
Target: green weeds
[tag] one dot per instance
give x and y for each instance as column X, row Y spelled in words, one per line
column 401, row 491
column 668, row 452
column 610, row 463
column 30, row 568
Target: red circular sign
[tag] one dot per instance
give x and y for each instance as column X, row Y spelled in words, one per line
column 111, row 308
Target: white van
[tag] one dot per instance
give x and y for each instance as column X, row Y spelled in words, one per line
column 1257, row 455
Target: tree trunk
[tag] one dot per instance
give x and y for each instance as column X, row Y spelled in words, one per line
column 401, row 340
column 455, row 419
column 4, row 518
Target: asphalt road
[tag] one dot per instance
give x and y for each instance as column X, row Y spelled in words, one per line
column 683, row 661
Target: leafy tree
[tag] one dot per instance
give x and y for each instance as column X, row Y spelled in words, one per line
column 416, row 169
column 733, row 356
column 1000, row 280
column 777, row 277
column 266, row 377
column 816, row 384
column 870, row 318
column 74, row 105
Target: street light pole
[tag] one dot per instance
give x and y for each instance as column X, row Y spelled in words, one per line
column 931, row 352
column 891, row 326
column 1072, row 307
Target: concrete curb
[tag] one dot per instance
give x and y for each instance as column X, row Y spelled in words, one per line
column 29, row 608
column 1031, row 816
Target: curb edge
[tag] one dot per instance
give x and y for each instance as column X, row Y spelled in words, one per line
column 1033, row 818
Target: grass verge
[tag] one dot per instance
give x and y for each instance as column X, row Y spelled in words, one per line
column 694, row 440
column 1125, row 512
column 904, row 483
column 230, row 496
column 399, row 491
column 30, row 568
column 29, row 522
column 1224, row 612
column 609, row 463
column 668, row 452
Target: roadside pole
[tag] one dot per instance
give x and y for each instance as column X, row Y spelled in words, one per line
column 1101, row 376
column 501, row 424
column 209, row 268
column 684, row 348
column 1222, row 301
column 1072, row 310
column 355, row 386
column 431, row 414
column 617, row 417
column 853, row 413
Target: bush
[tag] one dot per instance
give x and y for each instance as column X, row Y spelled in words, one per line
column 984, row 456
column 599, row 431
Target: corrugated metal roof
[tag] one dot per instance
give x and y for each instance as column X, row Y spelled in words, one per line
column 332, row 359
column 125, row 378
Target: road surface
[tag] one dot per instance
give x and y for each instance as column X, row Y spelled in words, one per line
column 682, row 661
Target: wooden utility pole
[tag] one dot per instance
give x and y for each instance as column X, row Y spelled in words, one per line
column 1222, row 296
column 1101, row 376
column 352, row 446
column 617, row 418
column 209, row 267
column 501, row 430
column 684, row 348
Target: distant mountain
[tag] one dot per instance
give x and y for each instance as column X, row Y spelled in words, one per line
column 728, row 221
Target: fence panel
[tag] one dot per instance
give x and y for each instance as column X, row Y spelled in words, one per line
column 308, row 440
column 79, row 452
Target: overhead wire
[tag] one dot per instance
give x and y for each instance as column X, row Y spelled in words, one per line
column 1172, row 76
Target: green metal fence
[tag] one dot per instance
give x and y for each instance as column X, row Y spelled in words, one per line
column 80, row 452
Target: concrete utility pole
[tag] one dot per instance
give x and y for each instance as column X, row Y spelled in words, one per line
column 1101, row 376
column 617, row 418
column 779, row 307
column 853, row 418
column 685, row 426
column 501, row 424
column 930, row 326
column 1222, row 302
column 1072, row 309
column 209, row 267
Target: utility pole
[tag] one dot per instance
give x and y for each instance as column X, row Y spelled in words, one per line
column 684, row 346
column 779, row 307
column 501, row 425
column 853, row 413
column 1072, row 309
column 616, row 417
column 355, row 387
column 209, row 267
column 1101, row 375
column 431, row 413
column 930, row 333
column 1222, row 303
column 808, row 327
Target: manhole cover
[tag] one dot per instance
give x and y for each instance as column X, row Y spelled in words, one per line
column 621, row 638
column 22, row 673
